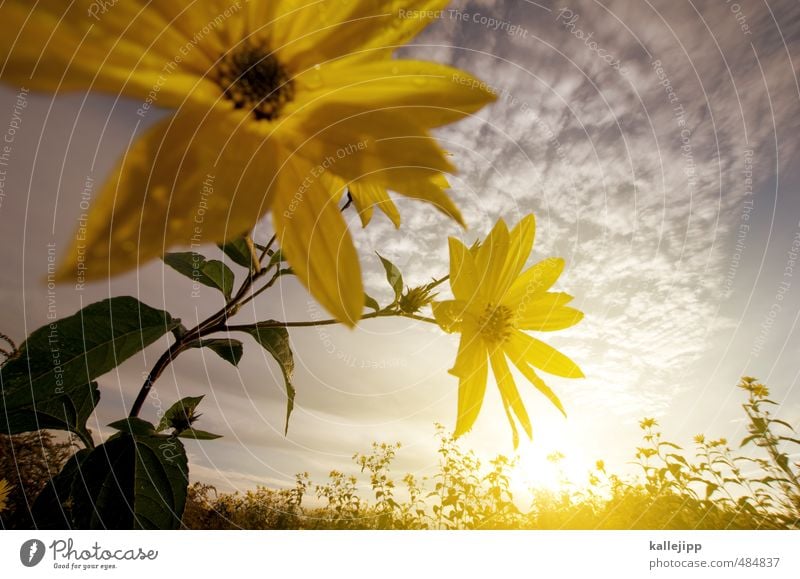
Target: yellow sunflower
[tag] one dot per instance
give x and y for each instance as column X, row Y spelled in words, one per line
column 277, row 104
column 494, row 302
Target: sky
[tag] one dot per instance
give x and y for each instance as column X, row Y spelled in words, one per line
column 656, row 143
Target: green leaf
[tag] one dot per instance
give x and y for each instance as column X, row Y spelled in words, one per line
column 181, row 414
column 198, row 434
column 228, row 349
column 679, row 458
column 52, row 508
column 190, row 264
column 65, row 356
column 747, row 440
column 276, row 257
column 68, row 410
column 242, row 252
column 132, row 482
column 276, row 342
column 134, row 425
column 669, row 444
column 210, row 273
column 393, row 276
column 221, row 275
column 782, row 423
column 370, row 302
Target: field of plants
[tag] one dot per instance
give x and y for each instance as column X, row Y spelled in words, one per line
column 717, row 484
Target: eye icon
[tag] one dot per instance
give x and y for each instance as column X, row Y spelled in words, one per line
column 31, row 553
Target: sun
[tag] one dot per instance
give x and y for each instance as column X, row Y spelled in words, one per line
column 553, row 465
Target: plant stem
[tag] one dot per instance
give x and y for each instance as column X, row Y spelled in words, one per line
column 218, row 323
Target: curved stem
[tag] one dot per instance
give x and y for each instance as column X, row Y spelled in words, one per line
column 308, row 324
column 160, row 366
column 218, row 322
column 418, row 318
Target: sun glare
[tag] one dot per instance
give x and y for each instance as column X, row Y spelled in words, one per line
column 545, row 467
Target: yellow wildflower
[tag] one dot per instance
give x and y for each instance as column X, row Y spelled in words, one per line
column 278, row 104
column 494, row 301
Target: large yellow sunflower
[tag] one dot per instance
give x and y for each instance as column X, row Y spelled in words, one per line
column 278, row 104
column 494, row 302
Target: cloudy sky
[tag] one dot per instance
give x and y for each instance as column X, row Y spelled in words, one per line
column 631, row 130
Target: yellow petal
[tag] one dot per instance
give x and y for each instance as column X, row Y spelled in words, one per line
column 548, row 319
column 471, row 369
column 534, row 379
column 521, row 346
column 448, row 314
column 130, row 49
column 430, row 190
column 193, row 178
column 519, row 249
column 509, row 393
column 307, row 32
column 490, row 259
column 432, row 94
column 313, row 235
column 537, row 308
column 534, row 281
column 367, row 195
column 463, row 274
column 354, row 143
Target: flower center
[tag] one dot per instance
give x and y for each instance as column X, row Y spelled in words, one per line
column 496, row 324
column 255, row 80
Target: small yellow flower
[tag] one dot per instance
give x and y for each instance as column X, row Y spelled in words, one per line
column 494, row 301
column 5, row 490
column 278, row 106
column 646, row 423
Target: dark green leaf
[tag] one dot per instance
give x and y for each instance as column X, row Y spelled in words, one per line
column 63, row 357
column 276, row 342
column 211, row 273
column 226, row 348
column 242, row 252
column 370, row 302
column 221, row 275
column 198, row 434
column 134, row 425
column 276, row 257
column 181, row 414
column 189, row 264
column 52, row 508
column 67, row 410
column 132, row 482
column 393, row 276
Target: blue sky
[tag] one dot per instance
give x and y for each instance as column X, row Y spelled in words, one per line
column 626, row 130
